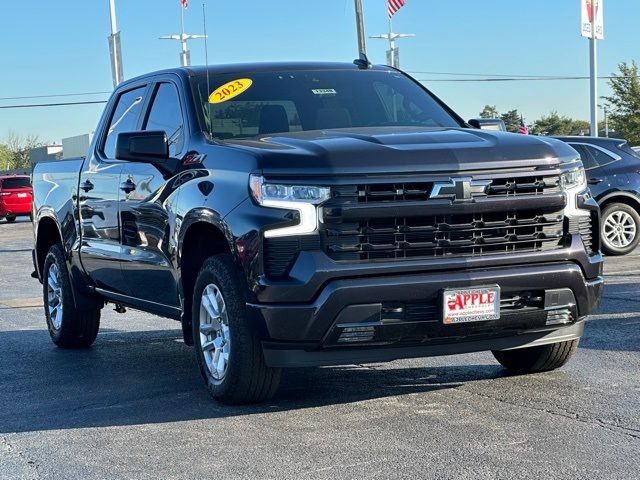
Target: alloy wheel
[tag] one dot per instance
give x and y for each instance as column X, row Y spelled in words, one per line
column 215, row 339
column 620, row 229
column 54, row 297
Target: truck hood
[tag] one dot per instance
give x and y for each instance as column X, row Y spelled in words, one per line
column 400, row 150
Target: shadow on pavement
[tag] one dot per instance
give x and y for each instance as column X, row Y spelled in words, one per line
column 132, row 378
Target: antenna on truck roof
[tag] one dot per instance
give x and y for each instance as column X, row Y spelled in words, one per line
column 206, row 61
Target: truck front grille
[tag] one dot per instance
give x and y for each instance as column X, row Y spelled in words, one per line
column 395, row 221
column 443, row 235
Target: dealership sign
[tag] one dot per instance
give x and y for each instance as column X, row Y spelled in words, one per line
column 592, row 18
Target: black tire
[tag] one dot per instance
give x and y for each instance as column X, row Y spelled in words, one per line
column 76, row 329
column 613, row 209
column 10, row 219
column 247, row 379
column 537, row 359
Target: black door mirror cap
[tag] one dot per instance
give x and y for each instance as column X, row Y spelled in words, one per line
column 147, row 146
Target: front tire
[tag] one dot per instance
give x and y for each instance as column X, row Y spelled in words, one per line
column 68, row 327
column 228, row 348
column 537, row 359
column 620, row 229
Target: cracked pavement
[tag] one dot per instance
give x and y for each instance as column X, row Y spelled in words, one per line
column 133, row 406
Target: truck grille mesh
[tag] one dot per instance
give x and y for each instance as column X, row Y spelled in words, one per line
column 443, row 235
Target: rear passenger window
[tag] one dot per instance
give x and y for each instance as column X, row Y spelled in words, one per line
column 585, row 156
column 124, row 119
column 599, row 156
column 166, row 116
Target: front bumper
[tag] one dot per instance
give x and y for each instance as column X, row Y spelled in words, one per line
column 309, row 333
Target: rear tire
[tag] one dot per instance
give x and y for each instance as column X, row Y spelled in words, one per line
column 68, row 327
column 620, row 230
column 10, row 219
column 537, row 359
column 228, row 348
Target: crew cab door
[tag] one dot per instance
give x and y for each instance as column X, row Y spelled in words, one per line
column 99, row 192
column 147, row 254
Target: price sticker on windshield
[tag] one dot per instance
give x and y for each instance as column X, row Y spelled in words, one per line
column 230, row 90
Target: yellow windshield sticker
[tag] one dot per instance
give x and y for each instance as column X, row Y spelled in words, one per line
column 230, row 90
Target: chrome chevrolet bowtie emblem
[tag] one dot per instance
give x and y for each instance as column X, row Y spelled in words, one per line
column 460, row 189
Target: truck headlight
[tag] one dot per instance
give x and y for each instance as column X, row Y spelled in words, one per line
column 302, row 198
column 574, row 179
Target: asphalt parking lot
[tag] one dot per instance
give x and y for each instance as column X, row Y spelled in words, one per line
column 133, row 406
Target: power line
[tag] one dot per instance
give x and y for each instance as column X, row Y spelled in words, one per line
column 515, row 79
column 55, row 95
column 34, row 105
column 504, row 75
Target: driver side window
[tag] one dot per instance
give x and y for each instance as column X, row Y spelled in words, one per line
column 166, row 115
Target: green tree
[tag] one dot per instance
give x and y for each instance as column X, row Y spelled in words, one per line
column 489, row 111
column 6, row 157
column 553, row 124
column 580, row 126
column 625, row 102
column 20, row 147
column 512, row 121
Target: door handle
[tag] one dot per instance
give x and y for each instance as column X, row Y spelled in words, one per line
column 86, row 186
column 128, row 186
column 594, row 181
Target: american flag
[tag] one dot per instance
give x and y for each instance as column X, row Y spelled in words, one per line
column 523, row 128
column 185, row 3
column 394, row 6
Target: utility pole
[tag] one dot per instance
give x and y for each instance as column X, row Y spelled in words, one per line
column 594, row 77
column 593, row 28
column 393, row 54
column 605, row 109
column 185, row 55
column 362, row 44
column 114, row 47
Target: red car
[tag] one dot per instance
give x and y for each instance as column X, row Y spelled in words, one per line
column 15, row 197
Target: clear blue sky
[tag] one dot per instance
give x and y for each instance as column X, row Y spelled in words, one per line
column 55, row 47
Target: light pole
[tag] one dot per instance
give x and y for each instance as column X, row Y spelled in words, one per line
column 393, row 54
column 185, row 55
column 605, row 109
column 362, row 43
column 114, row 47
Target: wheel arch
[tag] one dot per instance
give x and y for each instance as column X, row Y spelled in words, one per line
column 620, row 197
column 203, row 234
column 48, row 233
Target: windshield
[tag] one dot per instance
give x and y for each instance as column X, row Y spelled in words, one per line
column 266, row 103
column 16, row 182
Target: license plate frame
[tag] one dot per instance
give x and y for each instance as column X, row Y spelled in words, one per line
column 470, row 305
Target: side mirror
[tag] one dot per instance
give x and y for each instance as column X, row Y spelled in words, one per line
column 475, row 123
column 144, row 146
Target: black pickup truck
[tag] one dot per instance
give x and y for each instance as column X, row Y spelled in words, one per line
column 304, row 214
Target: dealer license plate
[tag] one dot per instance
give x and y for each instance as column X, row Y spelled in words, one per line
column 22, row 195
column 471, row 305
